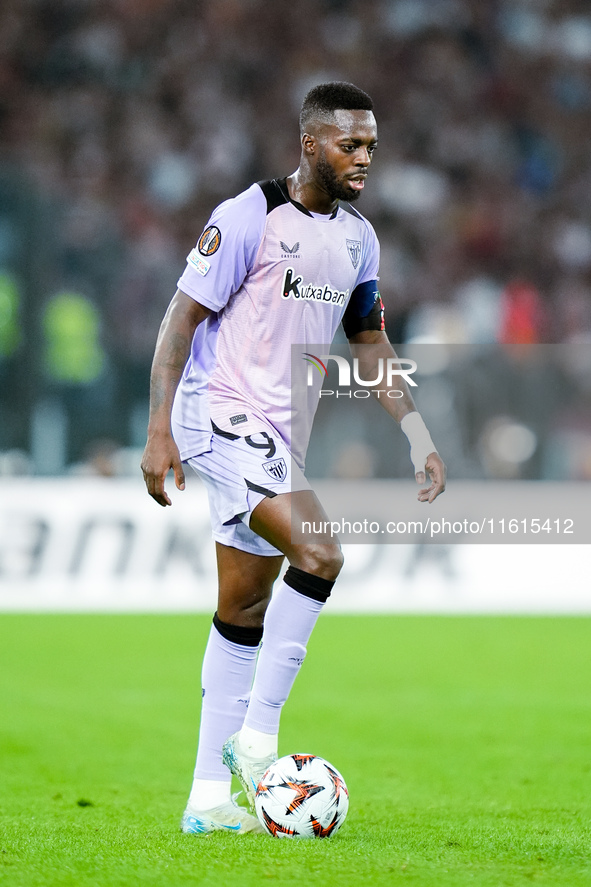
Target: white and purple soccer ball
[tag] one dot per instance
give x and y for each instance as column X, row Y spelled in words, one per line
column 302, row 796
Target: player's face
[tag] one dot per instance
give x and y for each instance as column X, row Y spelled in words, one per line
column 345, row 150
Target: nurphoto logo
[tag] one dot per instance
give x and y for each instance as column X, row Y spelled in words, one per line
column 385, row 370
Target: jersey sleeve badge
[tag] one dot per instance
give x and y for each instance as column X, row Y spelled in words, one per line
column 210, row 241
column 197, row 262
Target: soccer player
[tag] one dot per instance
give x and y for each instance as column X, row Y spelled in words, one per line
column 282, row 263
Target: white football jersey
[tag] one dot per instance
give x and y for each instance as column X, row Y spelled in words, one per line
column 273, row 275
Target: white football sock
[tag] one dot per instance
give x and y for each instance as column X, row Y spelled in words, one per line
column 257, row 744
column 209, row 793
column 227, row 673
column 289, row 621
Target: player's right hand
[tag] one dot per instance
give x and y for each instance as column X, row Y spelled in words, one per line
column 160, row 455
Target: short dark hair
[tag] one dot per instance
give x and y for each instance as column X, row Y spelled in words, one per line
column 323, row 100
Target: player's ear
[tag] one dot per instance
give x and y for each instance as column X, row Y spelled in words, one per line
column 308, row 143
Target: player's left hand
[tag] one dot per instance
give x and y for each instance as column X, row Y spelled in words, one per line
column 436, row 471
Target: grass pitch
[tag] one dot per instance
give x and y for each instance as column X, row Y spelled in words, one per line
column 465, row 743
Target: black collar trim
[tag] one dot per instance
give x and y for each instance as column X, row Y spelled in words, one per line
column 282, row 185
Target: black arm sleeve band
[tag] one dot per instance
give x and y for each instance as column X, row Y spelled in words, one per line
column 365, row 310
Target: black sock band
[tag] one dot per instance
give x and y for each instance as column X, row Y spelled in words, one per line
column 311, row 586
column 238, row 634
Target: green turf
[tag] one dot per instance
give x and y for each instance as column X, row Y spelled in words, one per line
column 465, row 743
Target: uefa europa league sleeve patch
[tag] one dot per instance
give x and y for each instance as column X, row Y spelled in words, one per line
column 210, row 240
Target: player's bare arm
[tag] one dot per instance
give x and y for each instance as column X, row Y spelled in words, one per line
column 398, row 407
column 172, row 350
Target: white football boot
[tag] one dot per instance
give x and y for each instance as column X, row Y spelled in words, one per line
column 228, row 817
column 248, row 770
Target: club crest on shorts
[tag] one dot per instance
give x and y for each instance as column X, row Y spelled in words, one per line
column 354, row 247
column 276, row 468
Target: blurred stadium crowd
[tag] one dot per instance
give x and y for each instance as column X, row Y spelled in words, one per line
column 124, row 122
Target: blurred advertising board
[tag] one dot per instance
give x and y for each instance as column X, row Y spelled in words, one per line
column 97, row 544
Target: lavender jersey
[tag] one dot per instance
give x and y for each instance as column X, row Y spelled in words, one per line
column 273, row 275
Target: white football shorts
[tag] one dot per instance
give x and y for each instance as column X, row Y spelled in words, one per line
column 239, row 472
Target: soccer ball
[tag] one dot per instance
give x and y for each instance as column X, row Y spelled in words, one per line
column 302, row 796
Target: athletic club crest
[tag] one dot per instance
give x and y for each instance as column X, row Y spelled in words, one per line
column 276, row 468
column 354, row 247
